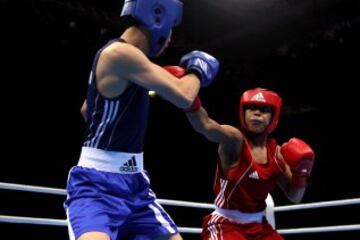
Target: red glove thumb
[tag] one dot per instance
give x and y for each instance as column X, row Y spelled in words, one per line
column 300, row 158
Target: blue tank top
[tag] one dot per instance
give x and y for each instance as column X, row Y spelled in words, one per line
column 116, row 124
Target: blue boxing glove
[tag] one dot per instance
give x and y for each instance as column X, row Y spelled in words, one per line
column 202, row 64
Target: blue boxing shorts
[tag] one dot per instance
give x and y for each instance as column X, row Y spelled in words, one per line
column 110, row 192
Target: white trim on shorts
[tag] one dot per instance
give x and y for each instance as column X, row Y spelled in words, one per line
column 111, row 161
column 238, row 216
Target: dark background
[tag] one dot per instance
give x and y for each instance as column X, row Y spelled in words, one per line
column 306, row 50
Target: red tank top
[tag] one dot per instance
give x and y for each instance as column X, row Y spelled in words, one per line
column 245, row 186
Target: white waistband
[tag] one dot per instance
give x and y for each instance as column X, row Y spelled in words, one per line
column 111, row 161
column 239, row 216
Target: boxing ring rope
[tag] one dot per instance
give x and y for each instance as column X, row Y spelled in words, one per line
column 58, row 191
column 59, row 222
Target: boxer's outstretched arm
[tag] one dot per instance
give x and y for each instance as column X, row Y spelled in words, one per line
column 212, row 130
column 230, row 139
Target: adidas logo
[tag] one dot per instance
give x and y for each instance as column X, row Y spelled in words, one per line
column 129, row 166
column 254, row 175
column 202, row 64
column 258, row 97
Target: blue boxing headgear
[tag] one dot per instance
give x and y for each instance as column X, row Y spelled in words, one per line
column 158, row 16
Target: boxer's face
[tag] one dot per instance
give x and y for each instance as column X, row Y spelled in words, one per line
column 257, row 118
column 167, row 42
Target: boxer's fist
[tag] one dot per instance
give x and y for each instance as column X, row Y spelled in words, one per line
column 175, row 71
column 300, row 157
column 201, row 63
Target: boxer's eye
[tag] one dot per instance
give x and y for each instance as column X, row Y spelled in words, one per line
column 263, row 108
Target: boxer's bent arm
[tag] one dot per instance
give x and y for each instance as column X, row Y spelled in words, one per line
column 130, row 64
column 294, row 194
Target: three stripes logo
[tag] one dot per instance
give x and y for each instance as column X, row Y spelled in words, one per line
column 258, row 97
column 129, row 166
column 254, row 175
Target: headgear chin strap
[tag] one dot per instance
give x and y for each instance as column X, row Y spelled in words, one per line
column 158, row 16
column 260, row 97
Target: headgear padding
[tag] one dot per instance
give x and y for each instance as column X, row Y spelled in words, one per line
column 158, row 16
column 261, row 97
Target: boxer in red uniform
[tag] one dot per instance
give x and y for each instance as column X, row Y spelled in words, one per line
column 250, row 165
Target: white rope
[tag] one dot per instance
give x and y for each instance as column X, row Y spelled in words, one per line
column 320, row 229
column 189, row 230
column 58, row 191
column 29, row 188
column 31, row 220
column 185, row 204
column 58, row 222
column 318, row 205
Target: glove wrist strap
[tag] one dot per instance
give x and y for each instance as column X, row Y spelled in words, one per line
column 195, row 72
column 301, row 181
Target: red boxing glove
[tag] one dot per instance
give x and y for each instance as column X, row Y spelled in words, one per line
column 176, row 71
column 300, row 158
column 180, row 72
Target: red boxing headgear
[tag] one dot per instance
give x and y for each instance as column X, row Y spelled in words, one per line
column 260, row 97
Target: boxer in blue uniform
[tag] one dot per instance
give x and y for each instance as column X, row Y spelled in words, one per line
column 109, row 196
